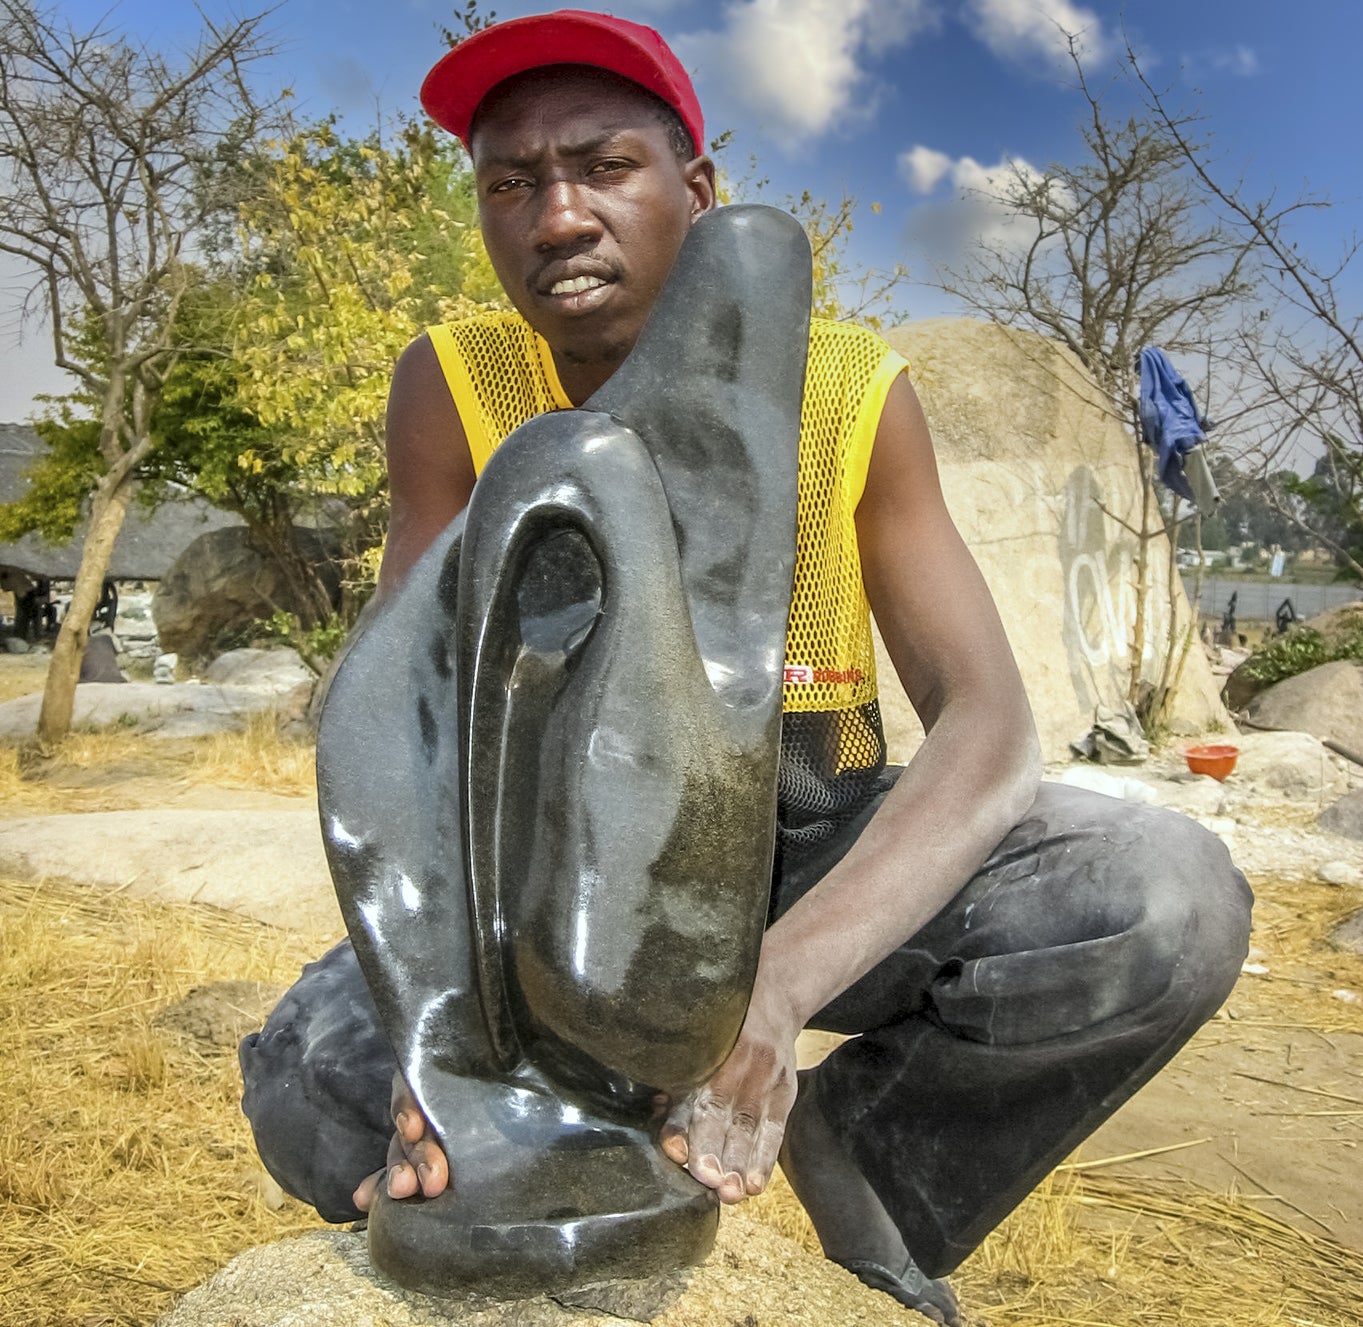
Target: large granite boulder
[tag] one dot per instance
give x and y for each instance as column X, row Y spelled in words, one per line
column 1039, row 476
column 221, row 584
column 753, row 1276
column 1326, row 702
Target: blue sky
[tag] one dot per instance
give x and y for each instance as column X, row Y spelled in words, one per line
column 898, row 102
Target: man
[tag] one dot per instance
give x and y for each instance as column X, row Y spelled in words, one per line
column 1017, row 960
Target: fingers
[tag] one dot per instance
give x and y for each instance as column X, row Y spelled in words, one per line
column 729, row 1142
column 406, row 1114
column 762, row 1161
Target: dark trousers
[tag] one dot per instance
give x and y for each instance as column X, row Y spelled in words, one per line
column 1095, row 940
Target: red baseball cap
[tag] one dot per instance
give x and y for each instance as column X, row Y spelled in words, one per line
column 459, row 82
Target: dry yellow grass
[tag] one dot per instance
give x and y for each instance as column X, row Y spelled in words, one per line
column 21, row 675
column 1095, row 1250
column 257, row 758
column 127, row 1172
column 118, row 768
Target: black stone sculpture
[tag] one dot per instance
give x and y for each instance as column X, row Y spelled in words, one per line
column 547, row 779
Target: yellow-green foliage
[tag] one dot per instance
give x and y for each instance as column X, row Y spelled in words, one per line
column 355, row 248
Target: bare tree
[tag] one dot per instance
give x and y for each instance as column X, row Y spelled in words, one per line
column 104, row 149
column 1305, row 353
column 1109, row 255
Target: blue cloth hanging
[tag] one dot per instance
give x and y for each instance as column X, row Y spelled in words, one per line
column 1170, row 422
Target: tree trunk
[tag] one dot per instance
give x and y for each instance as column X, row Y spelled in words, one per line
column 107, row 511
column 1139, row 627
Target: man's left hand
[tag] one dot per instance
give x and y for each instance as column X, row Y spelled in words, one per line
column 728, row 1132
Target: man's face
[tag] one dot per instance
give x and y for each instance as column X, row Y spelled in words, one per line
column 584, row 205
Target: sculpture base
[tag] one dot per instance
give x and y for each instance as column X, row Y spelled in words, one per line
column 575, row 1218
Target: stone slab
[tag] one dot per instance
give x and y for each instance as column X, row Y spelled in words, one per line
column 263, row 864
column 145, row 706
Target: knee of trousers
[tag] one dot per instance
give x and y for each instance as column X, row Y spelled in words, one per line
column 317, row 1083
column 1191, row 932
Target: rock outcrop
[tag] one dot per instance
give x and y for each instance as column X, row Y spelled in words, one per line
column 1038, row 474
column 178, row 709
column 1326, row 702
column 1344, row 817
column 265, row 863
column 755, row 1277
column 218, row 586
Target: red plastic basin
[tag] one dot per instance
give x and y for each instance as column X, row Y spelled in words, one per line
column 1216, row 759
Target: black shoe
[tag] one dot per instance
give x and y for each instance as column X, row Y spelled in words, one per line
column 933, row 1299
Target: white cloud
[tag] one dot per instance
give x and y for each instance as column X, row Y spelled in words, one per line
column 1240, row 60
column 1025, row 30
column 947, row 227
column 798, row 64
column 924, row 168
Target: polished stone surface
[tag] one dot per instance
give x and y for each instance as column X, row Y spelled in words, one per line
column 547, row 776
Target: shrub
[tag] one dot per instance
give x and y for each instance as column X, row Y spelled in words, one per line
column 1300, row 650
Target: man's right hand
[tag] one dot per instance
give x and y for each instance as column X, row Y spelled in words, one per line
column 416, row 1161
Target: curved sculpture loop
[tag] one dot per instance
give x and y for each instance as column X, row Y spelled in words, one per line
column 547, row 780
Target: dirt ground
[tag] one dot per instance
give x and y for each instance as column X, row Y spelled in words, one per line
column 1266, row 1103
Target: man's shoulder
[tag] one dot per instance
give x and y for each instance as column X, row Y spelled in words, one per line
column 831, row 339
column 489, row 341
column 505, row 324
column 847, row 358
column 838, row 331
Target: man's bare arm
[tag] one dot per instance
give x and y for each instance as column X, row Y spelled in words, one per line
column 971, row 780
column 430, row 472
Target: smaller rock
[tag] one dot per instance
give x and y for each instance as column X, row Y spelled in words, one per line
column 1294, row 766
column 163, row 670
column 277, row 671
column 99, row 663
column 16, row 645
column 1326, row 702
column 1339, row 873
column 1348, row 934
column 1344, row 817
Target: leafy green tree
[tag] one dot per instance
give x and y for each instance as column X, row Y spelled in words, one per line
column 327, row 256
column 348, row 249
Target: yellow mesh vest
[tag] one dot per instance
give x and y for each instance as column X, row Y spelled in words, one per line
column 501, row 373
